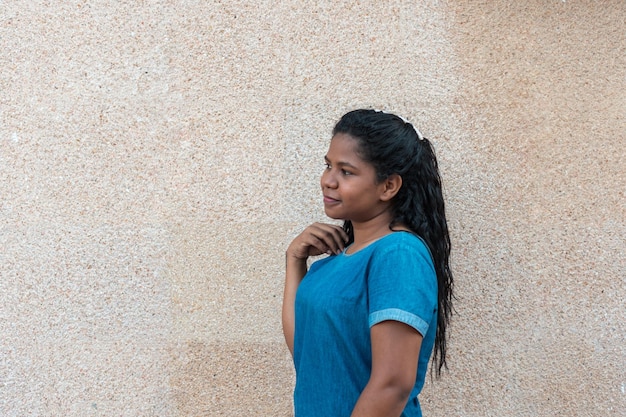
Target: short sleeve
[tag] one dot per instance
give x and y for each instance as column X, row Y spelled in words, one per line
column 402, row 284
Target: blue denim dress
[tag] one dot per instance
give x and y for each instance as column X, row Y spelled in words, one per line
column 338, row 301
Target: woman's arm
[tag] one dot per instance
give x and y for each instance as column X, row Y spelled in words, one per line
column 295, row 269
column 395, row 353
column 315, row 240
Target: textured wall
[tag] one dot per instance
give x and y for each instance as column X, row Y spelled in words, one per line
column 157, row 157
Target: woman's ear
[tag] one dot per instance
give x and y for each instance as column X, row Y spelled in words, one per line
column 391, row 186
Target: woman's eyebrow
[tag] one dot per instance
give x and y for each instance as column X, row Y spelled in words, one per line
column 341, row 164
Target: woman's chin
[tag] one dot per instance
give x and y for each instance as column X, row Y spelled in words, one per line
column 332, row 215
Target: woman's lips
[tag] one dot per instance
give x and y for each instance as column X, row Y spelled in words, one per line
column 330, row 200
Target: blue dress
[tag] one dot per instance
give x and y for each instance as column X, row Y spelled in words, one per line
column 338, row 301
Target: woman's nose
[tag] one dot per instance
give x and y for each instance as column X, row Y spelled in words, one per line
column 328, row 179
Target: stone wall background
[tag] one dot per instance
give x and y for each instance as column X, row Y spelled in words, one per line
column 156, row 158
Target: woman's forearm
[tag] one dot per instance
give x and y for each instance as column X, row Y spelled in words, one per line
column 382, row 401
column 295, row 269
column 315, row 240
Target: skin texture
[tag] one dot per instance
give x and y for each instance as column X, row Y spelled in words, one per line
column 351, row 192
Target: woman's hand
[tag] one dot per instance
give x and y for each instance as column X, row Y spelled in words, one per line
column 317, row 239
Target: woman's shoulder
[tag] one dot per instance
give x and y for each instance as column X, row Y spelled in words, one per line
column 402, row 238
column 402, row 242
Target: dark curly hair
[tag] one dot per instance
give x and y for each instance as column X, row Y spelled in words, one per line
column 394, row 146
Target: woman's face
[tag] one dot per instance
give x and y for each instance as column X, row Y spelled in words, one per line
column 349, row 184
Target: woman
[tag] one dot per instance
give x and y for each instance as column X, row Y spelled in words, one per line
column 362, row 323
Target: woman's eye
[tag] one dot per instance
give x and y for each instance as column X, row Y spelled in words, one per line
column 326, row 165
column 344, row 172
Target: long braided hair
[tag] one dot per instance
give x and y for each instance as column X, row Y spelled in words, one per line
column 393, row 146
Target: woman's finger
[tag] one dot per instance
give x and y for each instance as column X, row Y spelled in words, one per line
column 332, row 236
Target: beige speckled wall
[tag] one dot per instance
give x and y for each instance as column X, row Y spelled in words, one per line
column 156, row 157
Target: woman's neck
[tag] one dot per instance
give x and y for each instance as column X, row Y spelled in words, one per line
column 369, row 231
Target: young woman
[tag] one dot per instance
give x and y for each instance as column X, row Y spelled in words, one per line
column 362, row 323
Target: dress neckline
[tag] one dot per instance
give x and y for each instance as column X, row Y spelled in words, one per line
column 370, row 243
